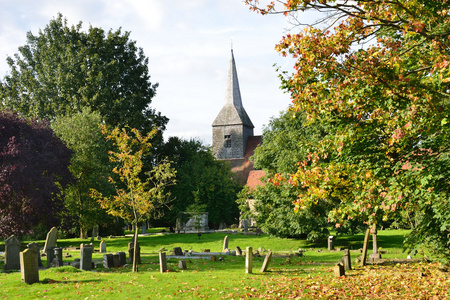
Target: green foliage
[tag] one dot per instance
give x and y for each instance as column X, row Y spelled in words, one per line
column 381, row 76
column 82, row 133
column 63, row 69
column 201, row 181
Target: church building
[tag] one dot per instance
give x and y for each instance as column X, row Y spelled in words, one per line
column 233, row 139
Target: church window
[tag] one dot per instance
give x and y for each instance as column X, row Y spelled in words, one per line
column 227, row 139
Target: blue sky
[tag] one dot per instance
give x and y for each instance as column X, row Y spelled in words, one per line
column 188, row 45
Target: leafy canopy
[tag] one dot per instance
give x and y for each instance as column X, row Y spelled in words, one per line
column 380, row 74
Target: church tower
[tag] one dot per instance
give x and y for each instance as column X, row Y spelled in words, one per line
column 232, row 126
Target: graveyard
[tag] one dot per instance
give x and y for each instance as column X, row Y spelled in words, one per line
column 219, row 266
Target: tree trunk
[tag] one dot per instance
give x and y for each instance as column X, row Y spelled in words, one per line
column 135, row 250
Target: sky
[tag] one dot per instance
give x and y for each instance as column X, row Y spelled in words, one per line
column 188, row 44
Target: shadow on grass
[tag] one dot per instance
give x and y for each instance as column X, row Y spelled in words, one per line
column 52, row 281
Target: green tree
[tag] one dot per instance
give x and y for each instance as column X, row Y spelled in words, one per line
column 82, row 133
column 63, row 69
column 136, row 200
column 286, row 140
column 202, row 181
column 381, row 76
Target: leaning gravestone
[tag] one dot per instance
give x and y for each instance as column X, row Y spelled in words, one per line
column 249, row 260
column 225, row 244
column 339, row 270
column 102, row 247
column 50, row 241
column 12, row 253
column 238, row 251
column 162, row 262
column 86, row 258
column 266, row 262
column 29, row 271
column 365, row 247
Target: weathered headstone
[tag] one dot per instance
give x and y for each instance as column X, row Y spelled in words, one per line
column 29, row 271
column 122, row 258
column 365, row 246
column 266, row 261
column 50, row 241
column 375, row 256
column 50, row 254
column 177, row 251
column 57, row 259
column 144, row 228
column 347, row 260
column 245, row 226
column 86, row 258
column 94, row 232
column 249, row 260
column 238, row 251
column 330, row 243
column 182, row 265
column 108, row 261
column 131, row 253
column 35, row 247
column 339, row 270
column 225, row 243
column 162, row 262
column 102, row 247
column 116, row 260
column 12, row 253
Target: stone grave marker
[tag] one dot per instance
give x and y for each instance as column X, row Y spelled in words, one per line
column 86, row 258
column 94, row 232
column 225, row 244
column 29, row 270
column 57, row 259
column 339, row 270
column 375, row 256
column 122, row 258
column 330, row 243
column 102, row 247
column 116, row 260
column 182, row 265
column 50, row 241
column 266, row 261
column 249, row 260
column 347, row 260
column 131, row 253
column 50, row 253
column 35, row 247
column 108, row 261
column 12, row 253
column 245, row 226
column 177, row 251
column 365, row 246
column 162, row 262
column 238, row 251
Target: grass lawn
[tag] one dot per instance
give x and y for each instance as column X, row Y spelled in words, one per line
column 307, row 277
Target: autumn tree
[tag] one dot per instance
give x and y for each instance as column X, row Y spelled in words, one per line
column 62, row 69
column 34, row 167
column 136, row 199
column 379, row 71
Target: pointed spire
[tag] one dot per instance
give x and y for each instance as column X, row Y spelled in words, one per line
column 233, row 94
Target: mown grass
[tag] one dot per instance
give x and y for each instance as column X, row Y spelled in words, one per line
column 203, row 278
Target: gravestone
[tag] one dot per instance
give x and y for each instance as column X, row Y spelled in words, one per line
column 86, row 258
column 12, row 253
column 131, row 253
column 266, row 261
column 330, row 243
column 29, row 270
column 50, row 253
column 238, row 251
column 339, row 270
column 94, row 232
column 177, row 251
column 249, row 260
column 35, row 247
column 162, row 262
column 365, row 246
column 116, row 260
column 347, row 260
column 245, row 226
column 108, row 261
column 57, row 260
column 144, row 228
column 122, row 258
column 375, row 256
column 182, row 265
column 102, row 247
column 50, row 241
column 225, row 244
